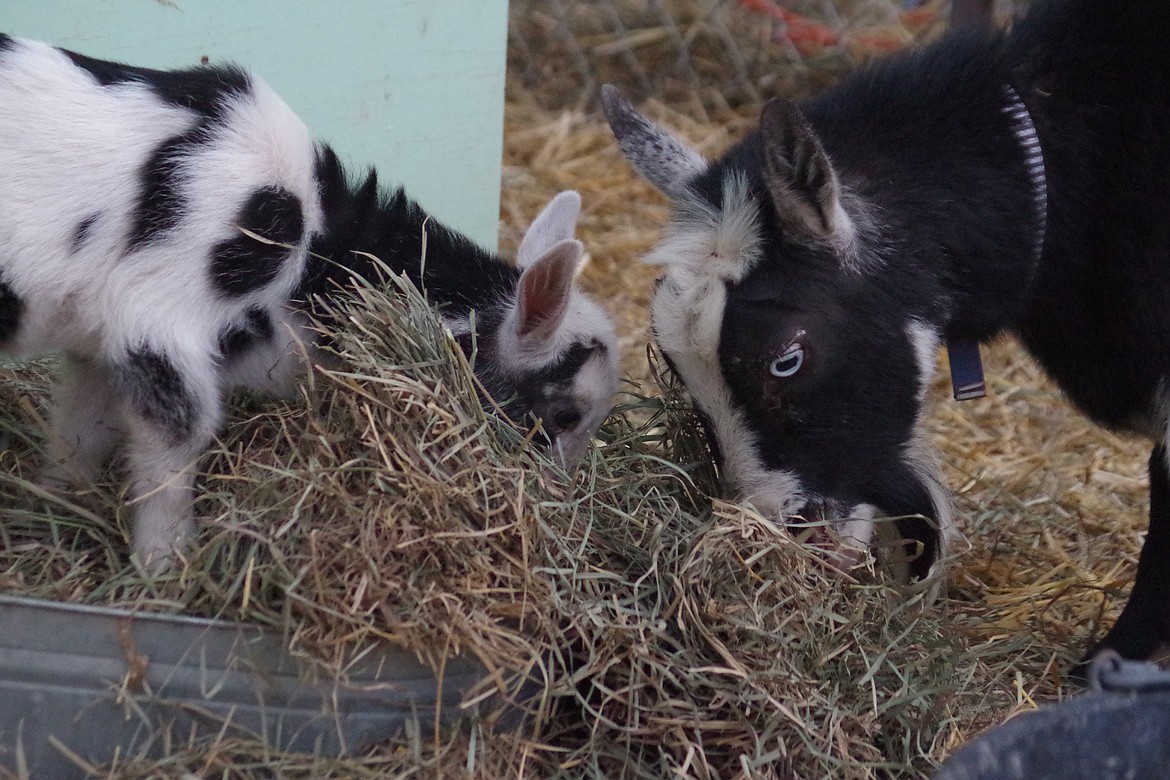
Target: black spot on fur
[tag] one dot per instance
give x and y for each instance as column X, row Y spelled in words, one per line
column 6, row 42
column 157, row 391
column 243, row 264
column 82, row 232
column 161, row 202
column 257, row 326
column 565, row 370
column 205, row 90
column 11, row 309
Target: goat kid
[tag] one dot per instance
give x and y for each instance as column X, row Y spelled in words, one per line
column 988, row 182
column 123, row 192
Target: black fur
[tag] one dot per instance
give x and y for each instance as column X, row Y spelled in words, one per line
column 203, row 89
column 243, row 264
column 566, row 368
column 161, row 202
column 82, row 231
column 156, row 390
column 256, row 327
column 11, row 309
column 456, row 273
column 923, row 139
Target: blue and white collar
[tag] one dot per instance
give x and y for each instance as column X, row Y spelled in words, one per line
column 967, row 379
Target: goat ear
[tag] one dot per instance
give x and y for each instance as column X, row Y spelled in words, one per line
column 555, row 223
column 665, row 161
column 799, row 176
column 543, row 293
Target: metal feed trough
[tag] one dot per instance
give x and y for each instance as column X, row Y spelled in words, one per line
column 101, row 683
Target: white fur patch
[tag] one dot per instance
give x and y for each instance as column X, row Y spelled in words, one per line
column 720, row 242
column 687, row 314
column 925, row 341
column 857, row 530
column 458, row 325
column 920, row 456
column 853, row 219
column 585, row 320
column 922, row 460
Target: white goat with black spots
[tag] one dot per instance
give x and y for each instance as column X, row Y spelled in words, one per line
column 123, row 192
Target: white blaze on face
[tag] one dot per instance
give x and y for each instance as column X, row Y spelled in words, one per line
column 704, row 249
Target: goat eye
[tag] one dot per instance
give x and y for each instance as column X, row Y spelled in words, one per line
column 788, row 363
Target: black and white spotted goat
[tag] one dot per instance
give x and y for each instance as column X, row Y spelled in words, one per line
column 123, row 192
column 988, row 182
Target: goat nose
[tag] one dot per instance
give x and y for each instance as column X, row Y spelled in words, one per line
column 560, row 421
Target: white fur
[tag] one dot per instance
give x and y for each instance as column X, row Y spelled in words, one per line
column 854, row 219
column 723, row 243
column 857, row 530
column 925, row 341
column 556, row 222
column 920, row 456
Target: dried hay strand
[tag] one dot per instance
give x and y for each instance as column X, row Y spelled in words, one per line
column 669, row 634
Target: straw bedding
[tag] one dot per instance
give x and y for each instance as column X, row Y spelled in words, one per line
column 673, row 634
column 670, row 633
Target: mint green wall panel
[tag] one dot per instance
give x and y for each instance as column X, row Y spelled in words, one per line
column 413, row 87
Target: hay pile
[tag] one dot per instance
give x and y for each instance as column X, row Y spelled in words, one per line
column 671, row 634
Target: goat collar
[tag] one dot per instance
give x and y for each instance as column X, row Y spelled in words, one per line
column 963, row 354
column 1024, row 130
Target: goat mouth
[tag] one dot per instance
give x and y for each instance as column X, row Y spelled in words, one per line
column 841, row 553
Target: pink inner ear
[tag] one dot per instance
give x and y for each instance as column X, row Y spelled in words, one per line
column 544, row 290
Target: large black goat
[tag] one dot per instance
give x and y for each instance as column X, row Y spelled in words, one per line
column 987, row 182
column 168, row 232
